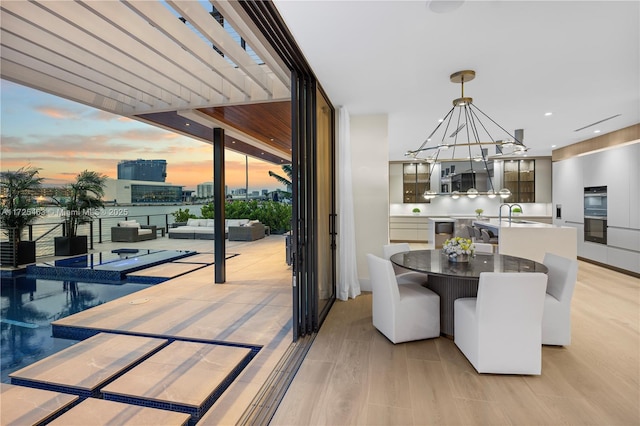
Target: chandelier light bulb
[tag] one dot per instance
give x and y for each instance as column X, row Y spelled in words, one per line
column 455, row 195
column 504, row 193
column 431, row 194
column 472, row 193
column 491, row 193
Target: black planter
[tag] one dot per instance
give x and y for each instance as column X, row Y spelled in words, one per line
column 26, row 253
column 70, row 246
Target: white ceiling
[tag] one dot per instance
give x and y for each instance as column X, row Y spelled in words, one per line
column 579, row 60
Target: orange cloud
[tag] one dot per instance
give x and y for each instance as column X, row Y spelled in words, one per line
column 57, row 112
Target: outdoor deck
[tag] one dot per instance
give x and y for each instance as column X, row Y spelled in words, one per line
column 185, row 343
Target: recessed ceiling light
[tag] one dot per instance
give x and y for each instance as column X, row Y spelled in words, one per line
column 553, row 146
column 548, row 114
column 187, row 124
column 440, row 120
column 596, row 131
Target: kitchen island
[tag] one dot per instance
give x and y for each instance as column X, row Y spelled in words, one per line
column 531, row 240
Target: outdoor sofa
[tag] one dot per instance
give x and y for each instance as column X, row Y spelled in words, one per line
column 251, row 231
column 130, row 231
column 203, row 229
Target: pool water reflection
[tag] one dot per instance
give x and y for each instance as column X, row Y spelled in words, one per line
column 29, row 305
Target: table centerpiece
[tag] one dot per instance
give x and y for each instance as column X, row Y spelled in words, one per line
column 458, row 249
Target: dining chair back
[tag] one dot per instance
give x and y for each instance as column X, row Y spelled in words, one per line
column 470, row 231
column 463, row 232
column 556, row 321
column 500, row 331
column 403, row 275
column 401, row 312
column 487, row 238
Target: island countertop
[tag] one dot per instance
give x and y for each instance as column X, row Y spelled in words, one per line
column 515, row 223
column 531, row 240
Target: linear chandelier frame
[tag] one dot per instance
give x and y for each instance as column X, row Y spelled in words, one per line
column 467, row 121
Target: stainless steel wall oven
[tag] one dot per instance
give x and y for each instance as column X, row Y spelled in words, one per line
column 595, row 214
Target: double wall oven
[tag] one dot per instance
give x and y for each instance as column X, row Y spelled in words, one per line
column 595, row 214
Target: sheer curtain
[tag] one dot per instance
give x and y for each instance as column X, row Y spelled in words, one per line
column 348, row 284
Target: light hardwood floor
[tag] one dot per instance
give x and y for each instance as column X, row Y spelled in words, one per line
column 354, row 375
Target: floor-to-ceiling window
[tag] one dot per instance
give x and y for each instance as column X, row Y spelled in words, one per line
column 312, row 129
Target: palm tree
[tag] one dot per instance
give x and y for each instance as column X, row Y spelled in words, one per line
column 86, row 197
column 287, row 182
column 17, row 205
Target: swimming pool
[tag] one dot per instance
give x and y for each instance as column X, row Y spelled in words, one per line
column 103, row 266
column 29, row 305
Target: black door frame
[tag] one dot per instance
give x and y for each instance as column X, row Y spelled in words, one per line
column 306, row 316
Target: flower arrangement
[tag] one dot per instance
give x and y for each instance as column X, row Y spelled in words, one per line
column 458, row 247
column 479, row 212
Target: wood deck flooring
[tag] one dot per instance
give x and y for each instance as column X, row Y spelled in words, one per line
column 213, row 330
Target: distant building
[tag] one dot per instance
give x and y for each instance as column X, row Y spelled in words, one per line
column 204, row 190
column 123, row 191
column 143, row 170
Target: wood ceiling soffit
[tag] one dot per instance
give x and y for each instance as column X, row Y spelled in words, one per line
column 268, row 122
column 609, row 140
column 171, row 121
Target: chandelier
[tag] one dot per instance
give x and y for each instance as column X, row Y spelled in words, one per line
column 466, row 138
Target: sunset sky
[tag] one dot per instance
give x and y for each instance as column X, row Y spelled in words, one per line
column 63, row 138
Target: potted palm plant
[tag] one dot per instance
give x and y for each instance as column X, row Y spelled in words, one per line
column 84, row 198
column 19, row 210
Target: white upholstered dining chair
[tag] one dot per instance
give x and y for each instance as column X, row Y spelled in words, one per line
column 401, row 312
column 556, row 321
column 500, row 331
column 403, row 275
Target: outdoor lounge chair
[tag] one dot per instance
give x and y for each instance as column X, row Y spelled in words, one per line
column 130, row 231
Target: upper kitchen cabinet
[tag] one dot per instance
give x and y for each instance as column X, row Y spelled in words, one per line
column 408, row 182
column 520, row 178
column 529, row 180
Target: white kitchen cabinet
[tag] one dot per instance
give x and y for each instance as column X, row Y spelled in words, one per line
column 568, row 190
column 624, row 238
column 624, row 259
column 633, row 152
column 409, row 229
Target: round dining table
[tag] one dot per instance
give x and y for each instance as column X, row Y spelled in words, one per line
column 453, row 280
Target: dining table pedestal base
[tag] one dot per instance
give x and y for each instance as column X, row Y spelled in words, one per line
column 449, row 289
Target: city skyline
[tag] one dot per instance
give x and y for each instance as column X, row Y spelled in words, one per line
column 63, row 138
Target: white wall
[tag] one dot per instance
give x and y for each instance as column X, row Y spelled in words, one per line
column 370, row 174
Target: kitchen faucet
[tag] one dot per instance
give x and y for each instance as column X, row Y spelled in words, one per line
column 509, row 206
column 500, row 211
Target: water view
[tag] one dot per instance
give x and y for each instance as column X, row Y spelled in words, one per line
column 46, row 227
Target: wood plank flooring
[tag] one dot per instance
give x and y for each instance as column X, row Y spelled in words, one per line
column 353, row 375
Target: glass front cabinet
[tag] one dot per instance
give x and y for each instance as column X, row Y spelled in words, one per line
column 415, row 181
column 520, row 178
